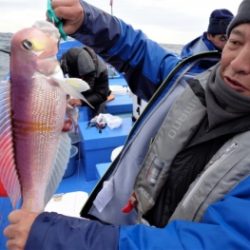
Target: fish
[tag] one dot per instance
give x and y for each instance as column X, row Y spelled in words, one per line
column 34, row 146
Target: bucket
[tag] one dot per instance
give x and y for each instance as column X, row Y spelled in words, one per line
column 75, row 137
column 71, row 167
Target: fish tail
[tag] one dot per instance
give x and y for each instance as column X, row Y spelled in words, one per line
column 8, row 174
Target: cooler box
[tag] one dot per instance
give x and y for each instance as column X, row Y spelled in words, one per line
column 120, row 105
column 85, row 113
column 97, row 147
column 101, row 169
column 118, row 80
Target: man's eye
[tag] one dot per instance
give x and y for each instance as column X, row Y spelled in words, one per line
column 27, row 44
column 223, row 38
column 234, row 42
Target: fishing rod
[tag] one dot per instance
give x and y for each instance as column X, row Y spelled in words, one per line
column 111, row 7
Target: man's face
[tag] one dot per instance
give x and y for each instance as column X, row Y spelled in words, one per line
column 218, row 41
column 235, row 60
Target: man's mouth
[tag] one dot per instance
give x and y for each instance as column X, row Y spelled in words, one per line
column 234, row 84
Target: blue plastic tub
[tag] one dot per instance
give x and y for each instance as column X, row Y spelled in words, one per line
column 71, row 168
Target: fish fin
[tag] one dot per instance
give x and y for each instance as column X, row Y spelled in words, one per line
column 74, row 87
column 78, row 84
column 62, row 157
column 8, row 173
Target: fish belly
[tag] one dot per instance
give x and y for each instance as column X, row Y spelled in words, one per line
column 38, row 116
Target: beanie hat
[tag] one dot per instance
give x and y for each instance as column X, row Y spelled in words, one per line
column 86, row 65
column 218, row 21
column 242, row 16
column 77, row 62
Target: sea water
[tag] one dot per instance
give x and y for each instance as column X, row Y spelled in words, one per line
column 4, row 54
column 5, row 47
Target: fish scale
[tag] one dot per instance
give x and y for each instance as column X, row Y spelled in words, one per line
column 41, row 135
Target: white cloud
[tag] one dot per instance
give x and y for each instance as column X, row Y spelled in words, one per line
column 17, row 14
column 166, row 21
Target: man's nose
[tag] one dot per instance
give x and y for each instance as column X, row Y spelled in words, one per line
column 241, row 63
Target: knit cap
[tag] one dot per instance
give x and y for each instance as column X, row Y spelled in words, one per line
column 219, row 20
column 242, row 16
column 77, row 62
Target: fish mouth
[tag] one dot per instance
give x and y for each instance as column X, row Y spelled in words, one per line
column 43, row 55
column 236, row 85
column 48, row 59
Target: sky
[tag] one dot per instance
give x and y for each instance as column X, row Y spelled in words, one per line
column 165, row 21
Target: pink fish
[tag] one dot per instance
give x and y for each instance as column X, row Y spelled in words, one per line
column 34, row 150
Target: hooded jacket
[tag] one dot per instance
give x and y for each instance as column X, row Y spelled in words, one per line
column 198, row 45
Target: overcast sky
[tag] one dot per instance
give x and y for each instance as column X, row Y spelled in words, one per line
column 165, row 21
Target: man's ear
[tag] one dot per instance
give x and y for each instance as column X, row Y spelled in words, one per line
column 209, row 36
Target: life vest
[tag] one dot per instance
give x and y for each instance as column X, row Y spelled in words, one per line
column 177, row 157
column 114, row 189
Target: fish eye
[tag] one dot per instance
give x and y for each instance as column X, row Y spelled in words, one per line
column 27, row 44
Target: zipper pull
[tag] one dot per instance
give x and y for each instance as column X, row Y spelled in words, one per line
column 128, row 207
column 132, row 202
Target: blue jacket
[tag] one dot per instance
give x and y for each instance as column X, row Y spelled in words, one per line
column 143, row 61
column 199, row 44
column 225, row 224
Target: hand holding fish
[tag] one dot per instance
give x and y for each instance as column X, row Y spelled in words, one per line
column 75, row 102
column 18, row 231
column 71, row 12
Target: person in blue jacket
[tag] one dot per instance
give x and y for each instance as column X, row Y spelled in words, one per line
column 214, row 38
column 224, row 100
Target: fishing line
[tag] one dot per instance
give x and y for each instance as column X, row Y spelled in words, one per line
column 5, row 51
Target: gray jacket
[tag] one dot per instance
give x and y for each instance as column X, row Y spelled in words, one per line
column 226, row 169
